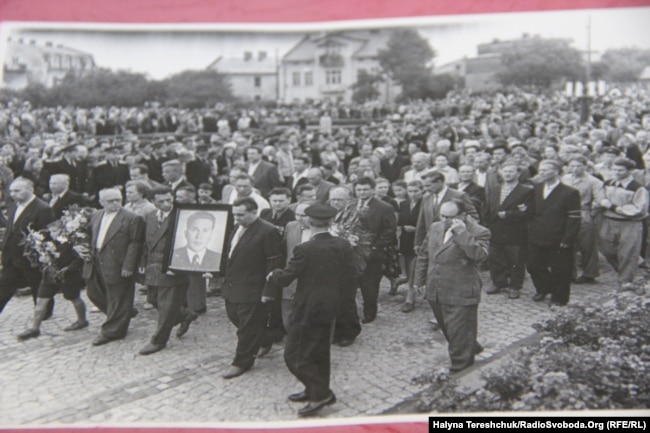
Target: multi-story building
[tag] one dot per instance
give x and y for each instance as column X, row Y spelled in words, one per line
column 251, row 77
column 479, row 73
column 326, row 65
column 27, row 62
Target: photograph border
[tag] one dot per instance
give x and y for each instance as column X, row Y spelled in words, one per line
column 173, row 224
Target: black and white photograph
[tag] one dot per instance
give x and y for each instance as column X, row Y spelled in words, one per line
column 325, row 222
column 199, row 238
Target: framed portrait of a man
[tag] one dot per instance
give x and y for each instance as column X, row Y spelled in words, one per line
column 200, row 236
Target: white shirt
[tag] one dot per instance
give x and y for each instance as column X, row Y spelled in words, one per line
column 191, row 254
column 480, row 178
column 548, row 189
column 253, row 167
column 448, row 235
column 175, row 184
column 235, row 239
column 21, row 207
column 107, row 219
column 305, row 235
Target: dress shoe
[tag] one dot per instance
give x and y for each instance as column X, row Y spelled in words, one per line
column 513, row 293
column 435, row 325
column 408, row 307
column 556, row 304
column 101, row 340
column 478, row 349
column 29, row 333
column 539, row 297
column 368, row 319
column 493, row 290
column 263, row 351
column 201, row 310
column 314, row 406
column 584, row 280
column 79, row 324
column 148, row 306
column 345, row 342
column 234, row 371
column 299, row 397
column 134, row 312
column 184, row 326
column 152, row 348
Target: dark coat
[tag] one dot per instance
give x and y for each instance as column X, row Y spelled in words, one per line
column 393, row 171
column 198, row 172
column 72, row 262
column 555, row 219
column 281, row 222
column 211, row 260
column 323, row 268
column 156, row 242
column 121, row 248
column 477, row 196
column 257, row 253
column 513, row 229
column 266, row 177
column 379, row 219
column 64, row 202
column 107, row 176
column 408, row 217
column 78, row 175
column 184, row 183
column 36, row 215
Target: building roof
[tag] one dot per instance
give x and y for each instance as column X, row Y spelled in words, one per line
column 370, row 41
column 30, row 47
column 254, row 65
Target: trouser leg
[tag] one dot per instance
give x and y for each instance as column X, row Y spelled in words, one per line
column 169, row 300
column 370, row 286
column 629, row 250
column 561, row 266
column 537, row 263
column 307, row 355
column 250, row 320
column 498, row 265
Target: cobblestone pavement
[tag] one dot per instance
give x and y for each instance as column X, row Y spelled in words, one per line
column 60, row 378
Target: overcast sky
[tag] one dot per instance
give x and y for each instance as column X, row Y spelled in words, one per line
column 162, row 51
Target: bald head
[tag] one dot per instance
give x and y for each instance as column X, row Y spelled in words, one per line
column 59, row 183
column 110, row 199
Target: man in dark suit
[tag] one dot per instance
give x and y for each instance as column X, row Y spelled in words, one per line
column 27, row 211
column 165, row 290
column 437, row 194
column 506, row 215
column 552, row 235
column 196, row 256
column 448, row 266
column 254, row 250
column 279, row 214
column 323, row 268
column 315, row 177
column 467, row 185
column 265, row 175
column 62, row 198
column 199, row 170
column 407, row 219
column 116, row 243
column 172, row 172
column 392, row 164
column 108, row 174
column 378, row 218
column 70, row 164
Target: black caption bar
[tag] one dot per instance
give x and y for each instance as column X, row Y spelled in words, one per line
column 440, row 424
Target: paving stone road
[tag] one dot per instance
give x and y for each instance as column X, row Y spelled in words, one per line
column 60, row 378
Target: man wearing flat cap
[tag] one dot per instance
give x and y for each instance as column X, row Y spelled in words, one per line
column 109, row 174
column 624, row 207
column 323, row 268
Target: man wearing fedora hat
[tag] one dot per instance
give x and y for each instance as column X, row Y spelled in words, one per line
column 323, row 268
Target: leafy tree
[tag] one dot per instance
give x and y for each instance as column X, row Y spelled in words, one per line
column 365, row 89
column 621, row 64
column 197, row 88
column 405, row 59
column 539, row 62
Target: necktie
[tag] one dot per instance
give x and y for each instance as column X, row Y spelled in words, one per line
column 235, row 239
column 161, row 218
column 435, row 201
column 195, row 260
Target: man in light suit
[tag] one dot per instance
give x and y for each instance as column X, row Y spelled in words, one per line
column 448, row 266
column 254, row 250
column 265, row 175
column 27, row 210
column 196, row 256
column 165, row 290
column 116, row 243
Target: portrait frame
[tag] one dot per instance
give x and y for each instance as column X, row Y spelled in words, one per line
column 213, row 257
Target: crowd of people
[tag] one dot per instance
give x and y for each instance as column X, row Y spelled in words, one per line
column 427, row 194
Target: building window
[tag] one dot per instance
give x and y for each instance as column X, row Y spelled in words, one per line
column 296, row 78
column 309, row 78
column 258, row 98
column 258, row 81
column 333, row 76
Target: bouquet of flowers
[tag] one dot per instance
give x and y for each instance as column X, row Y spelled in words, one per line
column 41, row 251
column 349, row 228
column 75, row 231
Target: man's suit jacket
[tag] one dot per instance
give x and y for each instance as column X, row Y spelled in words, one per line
column 182, row 184
column 156, row 242
column 37, row 215
column 257, row 253
column 477, row 196
column 198, row 171
column 408, row 217
column 450, row 269
column 287, row 216
column 65, row 201
column 513, row 229
column 265, row 178
column 292, row 238
column 181, row 259
column 323, row 191
column 393, row 171
column 323, row 268
column 121, row 248
column 556, row 219
column 429, row 215
column 107, row 176
column 379, row 219
column 78, row 175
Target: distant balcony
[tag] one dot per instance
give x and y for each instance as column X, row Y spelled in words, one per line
column 332, row 88
column 331, row 60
